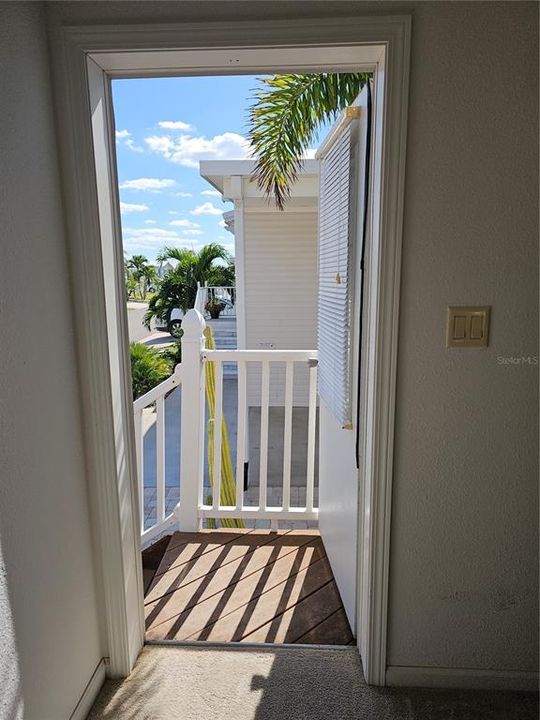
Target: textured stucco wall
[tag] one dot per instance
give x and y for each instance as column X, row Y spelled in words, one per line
column 48, row 618
column 463, row 584
column 464, row 531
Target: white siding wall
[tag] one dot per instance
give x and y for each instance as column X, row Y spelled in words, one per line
column 281, row 292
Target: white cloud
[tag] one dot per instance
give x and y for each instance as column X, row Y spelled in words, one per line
column 213, row 193
column 192, row 231
column 188, row 150
column 126, row 208
column 222, row 224
column 125, row 136
column 149, row 184
column 173, row 212
column 131, row 145
column 184, row 223
column 207, row 208
column 175, row 125
column 150, row 232
column 184, row 194
column 150, row 222
column 146, row 240
column 161, row 144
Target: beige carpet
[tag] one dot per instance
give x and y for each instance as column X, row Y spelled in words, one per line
column 198, row 683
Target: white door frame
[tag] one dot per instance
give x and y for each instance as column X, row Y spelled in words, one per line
column 85, row 59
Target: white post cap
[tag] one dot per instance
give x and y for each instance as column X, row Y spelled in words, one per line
column 193, row 325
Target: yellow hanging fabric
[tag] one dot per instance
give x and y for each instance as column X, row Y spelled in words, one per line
column 228, row 485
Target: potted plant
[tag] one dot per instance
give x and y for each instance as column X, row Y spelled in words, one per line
column 214, row 307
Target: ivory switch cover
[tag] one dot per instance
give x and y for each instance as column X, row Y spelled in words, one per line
column 467, row 327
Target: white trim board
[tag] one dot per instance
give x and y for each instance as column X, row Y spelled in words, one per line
column 240, row 645
column 464, row 678
column 379, row 44
column 90, row 693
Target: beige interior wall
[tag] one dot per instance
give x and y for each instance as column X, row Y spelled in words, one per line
column 49, row 637
column 463, row 582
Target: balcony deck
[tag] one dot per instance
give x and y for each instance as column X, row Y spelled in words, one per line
column 250, row 586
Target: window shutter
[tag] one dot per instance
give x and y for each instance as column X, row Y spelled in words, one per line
column 335, row 277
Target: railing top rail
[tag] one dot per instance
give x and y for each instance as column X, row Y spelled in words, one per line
column 200, row 300
column 164, row 387
column 260, row 355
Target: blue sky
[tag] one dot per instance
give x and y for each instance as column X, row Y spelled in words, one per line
column 164, row 126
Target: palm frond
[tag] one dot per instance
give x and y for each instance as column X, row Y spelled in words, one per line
column 174, row 253
column 284, row 120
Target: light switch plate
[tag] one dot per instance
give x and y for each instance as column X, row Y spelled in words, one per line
column 468, row 326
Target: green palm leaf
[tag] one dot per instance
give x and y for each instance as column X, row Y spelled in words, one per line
column 284, row 120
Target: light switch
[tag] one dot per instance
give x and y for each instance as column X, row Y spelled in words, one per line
column 467, row 327
column 460, row 327
column 477, row 326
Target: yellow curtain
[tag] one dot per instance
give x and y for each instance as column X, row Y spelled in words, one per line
column 228, row 485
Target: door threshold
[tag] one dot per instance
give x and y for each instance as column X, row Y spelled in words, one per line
column 232, row 645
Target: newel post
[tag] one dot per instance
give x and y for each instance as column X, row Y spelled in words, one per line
column 192, row 422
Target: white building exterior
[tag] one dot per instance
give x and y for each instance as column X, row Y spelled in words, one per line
column 276, row 265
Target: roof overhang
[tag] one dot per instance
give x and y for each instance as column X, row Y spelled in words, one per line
column 235, row 179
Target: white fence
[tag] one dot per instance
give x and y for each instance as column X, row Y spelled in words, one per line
column 191, row 510
column 264, row 358
column 146, row 402
column 214, row 294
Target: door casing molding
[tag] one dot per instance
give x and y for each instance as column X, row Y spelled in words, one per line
column 85, row 59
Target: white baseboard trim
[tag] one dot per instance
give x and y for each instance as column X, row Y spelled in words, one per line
column 90, row 693
column 463, row 678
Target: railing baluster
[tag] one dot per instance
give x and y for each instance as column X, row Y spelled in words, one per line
column 216, row 490
column 191, row 510
column 241, row 435
column 265, row 398
column 287, row 435
column 160, row 458
column 139, row 449
column 312, row 417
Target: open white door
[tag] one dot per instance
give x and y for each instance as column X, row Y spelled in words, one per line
column 344, row 161
column 118, row 537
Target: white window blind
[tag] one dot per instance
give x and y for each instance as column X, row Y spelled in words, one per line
column 335, row 280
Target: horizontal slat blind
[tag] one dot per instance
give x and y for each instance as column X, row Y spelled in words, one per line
column 335, row 296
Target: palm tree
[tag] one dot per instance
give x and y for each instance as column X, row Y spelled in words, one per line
column 178, row 288
column 143, row 273
column 129, row 280
column 149, row 279
column 284, row 120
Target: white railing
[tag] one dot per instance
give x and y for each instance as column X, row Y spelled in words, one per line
column 150, row 402
column 265, row 359
column 192, row 510
column 218, row 294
